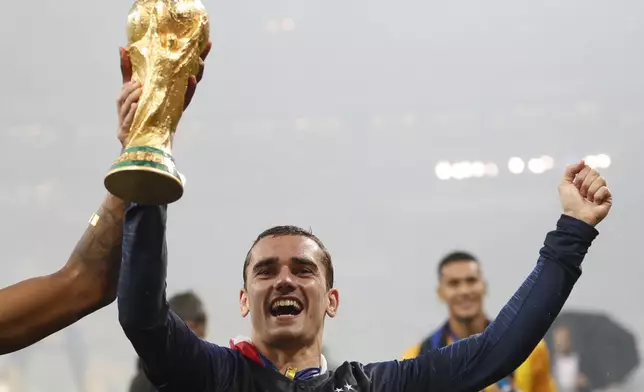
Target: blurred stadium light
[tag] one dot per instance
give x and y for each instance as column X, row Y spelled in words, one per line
column 459, row 170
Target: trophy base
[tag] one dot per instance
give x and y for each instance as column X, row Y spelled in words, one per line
column 145, row 175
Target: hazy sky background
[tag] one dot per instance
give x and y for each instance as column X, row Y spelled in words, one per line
column 333, row 115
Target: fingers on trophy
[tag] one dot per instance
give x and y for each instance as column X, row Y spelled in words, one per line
column 165, row 41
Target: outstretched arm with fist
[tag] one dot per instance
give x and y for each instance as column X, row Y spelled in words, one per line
column 473, row 364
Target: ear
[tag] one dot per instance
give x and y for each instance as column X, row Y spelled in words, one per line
column 439, row 293
column 333, row 301
column 243, row 303
column 485, row 286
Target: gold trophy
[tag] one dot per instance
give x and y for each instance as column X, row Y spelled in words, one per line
column 165, row 39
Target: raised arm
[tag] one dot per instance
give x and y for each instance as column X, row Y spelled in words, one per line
column 171, row 354
column 481, row 360
column 36, row 308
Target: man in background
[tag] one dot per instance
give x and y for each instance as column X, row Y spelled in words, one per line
column 189, row 308
column 462, row 288
column 567, row 365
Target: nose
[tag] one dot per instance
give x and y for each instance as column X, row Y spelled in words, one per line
column 463, row 289
column 284, row 280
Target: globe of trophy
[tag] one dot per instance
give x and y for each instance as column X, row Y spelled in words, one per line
column 165, row 40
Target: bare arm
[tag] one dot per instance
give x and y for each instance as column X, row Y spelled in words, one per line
column 36, row 308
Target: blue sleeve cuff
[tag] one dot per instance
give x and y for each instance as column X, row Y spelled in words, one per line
column 580, row 229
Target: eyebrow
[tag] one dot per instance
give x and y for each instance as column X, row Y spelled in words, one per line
column 265, row 263
column 302, row 261
column 454, row 278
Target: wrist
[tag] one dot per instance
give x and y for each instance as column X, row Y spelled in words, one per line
column 567, row 222
column 588, row 219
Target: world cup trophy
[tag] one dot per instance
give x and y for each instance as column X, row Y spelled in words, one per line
column 165, row 39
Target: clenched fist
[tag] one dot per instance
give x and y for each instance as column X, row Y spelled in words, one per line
column 584, row 194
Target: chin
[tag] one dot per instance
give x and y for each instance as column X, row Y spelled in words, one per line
column 467, row 317
column 285, row 336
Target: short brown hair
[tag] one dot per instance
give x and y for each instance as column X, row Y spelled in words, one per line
column 188, row 306
column 456, row 256
column 280, row 231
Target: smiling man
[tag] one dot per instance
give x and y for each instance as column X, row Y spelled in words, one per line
column 289, row 292
column 291, row 312
column 462, row 287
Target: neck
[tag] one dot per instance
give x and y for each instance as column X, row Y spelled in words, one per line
column 283, row 358
column 465, row 328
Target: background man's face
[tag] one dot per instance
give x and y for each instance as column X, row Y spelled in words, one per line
column 462, row 288
column 199, row 328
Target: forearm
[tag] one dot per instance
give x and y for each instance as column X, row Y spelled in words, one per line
column 35, row 308
column 169, row 350
column 96, row 259
column 141, row 288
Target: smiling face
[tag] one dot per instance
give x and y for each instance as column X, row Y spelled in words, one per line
column 462, row 288
column 286, row 291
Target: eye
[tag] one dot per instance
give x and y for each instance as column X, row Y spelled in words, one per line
column 452, row 283
column 305, row 271
column 262, row 271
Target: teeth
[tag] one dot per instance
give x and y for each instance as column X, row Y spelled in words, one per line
column 286, row 302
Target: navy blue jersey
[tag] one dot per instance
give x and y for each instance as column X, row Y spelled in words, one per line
column 175, row 359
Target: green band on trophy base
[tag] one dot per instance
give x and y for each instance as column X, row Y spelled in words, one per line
column 145, row 175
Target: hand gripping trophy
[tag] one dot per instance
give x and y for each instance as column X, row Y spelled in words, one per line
column 165, row 39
